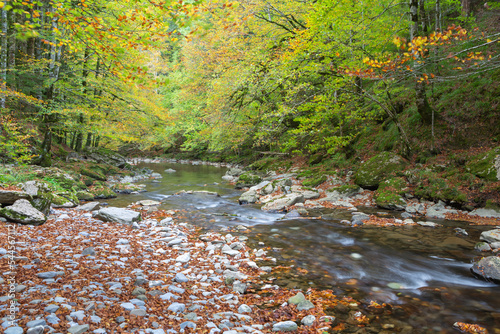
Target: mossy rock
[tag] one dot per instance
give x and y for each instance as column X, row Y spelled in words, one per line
column 305, row 174
column 84, row 196
column 64, row 181
column 87, row 181
column 314, row 182
column 65, row 199
column 371, row 173
column 389, row 192
column 346, row 190
column 42, row 203
column 431, row 186
column 126, row 188
column 92, row 173
column 105, row 156
column 486, row 165
column 265, row 163
column 247, row 180
column 102, row 192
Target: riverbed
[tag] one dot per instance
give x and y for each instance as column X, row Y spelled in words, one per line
column 424, row 270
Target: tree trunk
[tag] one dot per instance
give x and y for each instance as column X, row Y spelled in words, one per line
column 438, row 15
column 46, row 158
column 12, row 52
column 465, row 7
column 423, row 17
column 79, row 136
column 3, row 57
column 88, row 143
column 423, row 106
column 413, row 19
column 73, row 141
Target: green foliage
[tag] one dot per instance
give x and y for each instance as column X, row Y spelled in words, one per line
column 14, row 140
column 15, row 175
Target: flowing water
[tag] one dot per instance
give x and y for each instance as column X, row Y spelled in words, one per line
column 426, row 271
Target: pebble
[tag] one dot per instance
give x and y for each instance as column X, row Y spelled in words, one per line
column 138, row 312
column 180, row 278
column 128, row 306
column 79, row 315
column 285, row 326
column 14, row 330
column 78, row 329
column 36, row 323
column 184, row 258
column 88, row 251
column 308, row 320
column 35, row 330
column 52, row 319
column 52, row 308
column 244, row 309
column 49, row 274
column 177, row 307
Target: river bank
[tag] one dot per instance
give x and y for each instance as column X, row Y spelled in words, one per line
column 78, row 274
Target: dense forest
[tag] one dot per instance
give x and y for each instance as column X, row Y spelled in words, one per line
column 317, row 79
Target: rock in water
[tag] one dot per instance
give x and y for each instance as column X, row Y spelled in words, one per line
column 487, row 268
column 491, row 235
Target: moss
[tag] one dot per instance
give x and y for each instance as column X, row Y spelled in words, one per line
column 59, row 200
column 314, row 182
column 388, row 195
column 102, row 192
column 63, row 181
column 483, row 165
column 491, row 204
column 126, row 188
column 431, row 186
column 42, row 202
column 371, row 173
column 247, row 180
column 271, row 163
column 84, row 196
column 346, row 190
column 69, row 196
column 87, row 181
column 93, row 174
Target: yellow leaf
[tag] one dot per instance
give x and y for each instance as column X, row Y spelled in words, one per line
column 1, row 4
column 488, row 40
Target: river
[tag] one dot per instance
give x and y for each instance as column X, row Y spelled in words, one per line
column 425, row 271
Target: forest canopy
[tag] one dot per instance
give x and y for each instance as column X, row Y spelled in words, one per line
column 236, row 77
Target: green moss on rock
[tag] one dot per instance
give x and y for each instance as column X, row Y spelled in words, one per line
column 486, row 165
column 346, row 190
column 247, row 180
column 389, row 194
column 431, row 186
column 93, row 173
column 102, row 192
column 371, row 173
column 84, row 196
column 314, row 182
